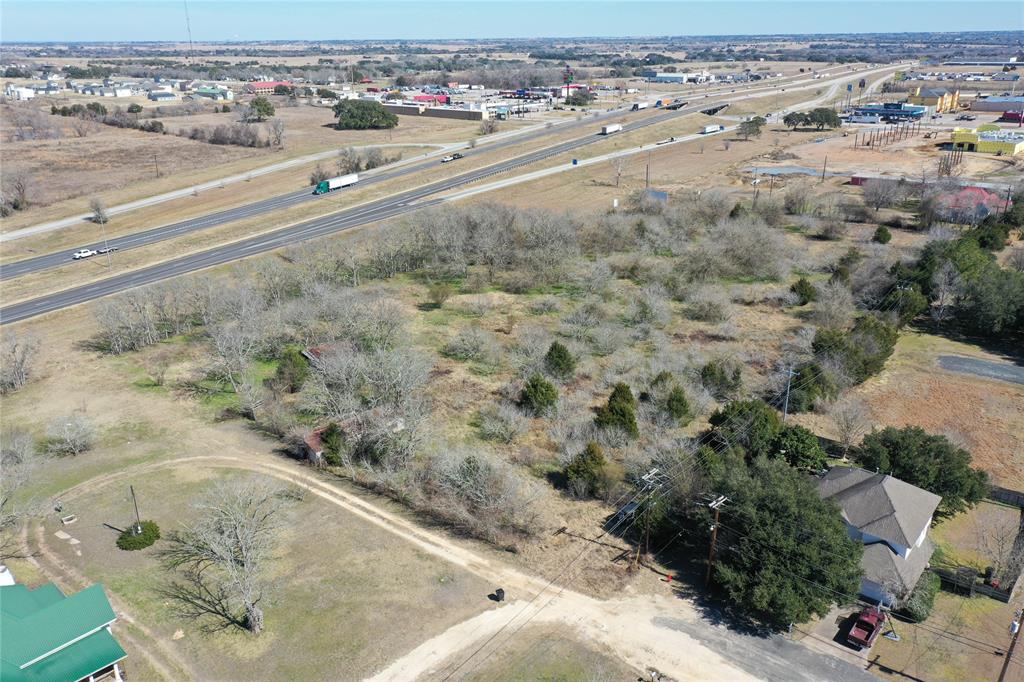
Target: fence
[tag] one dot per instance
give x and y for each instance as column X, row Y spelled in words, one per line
column 1014, row 498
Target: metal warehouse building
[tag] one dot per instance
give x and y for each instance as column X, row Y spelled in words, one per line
column 999, row 104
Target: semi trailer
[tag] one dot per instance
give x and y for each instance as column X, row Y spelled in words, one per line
column 331, row 184
column 609, row 129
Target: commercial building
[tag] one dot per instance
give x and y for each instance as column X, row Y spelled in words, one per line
column 214, row 93
column 265, row 87
column 160, row 96
column 998, row 103
column 892, row 111
column 989, row 140
column 49, row 636
column 678, row 77
column 18, row 93
column 940, row 100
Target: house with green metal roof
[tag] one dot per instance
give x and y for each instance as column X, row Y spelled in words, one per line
column 46, row 636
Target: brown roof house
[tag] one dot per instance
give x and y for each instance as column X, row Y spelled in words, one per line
column 891, row 518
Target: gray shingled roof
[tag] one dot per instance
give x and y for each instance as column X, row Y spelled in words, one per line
column 933, row 92
column 898, row 575
column 879, row 504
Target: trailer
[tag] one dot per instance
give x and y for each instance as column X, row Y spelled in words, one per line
column 707, row 130
column 331, row 184
column 637, row 106
column 609, row 129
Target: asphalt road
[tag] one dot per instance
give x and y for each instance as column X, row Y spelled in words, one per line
column 157, row 234
column 374, row 211
column 982, row 368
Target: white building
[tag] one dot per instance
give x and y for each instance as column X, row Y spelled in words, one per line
column 18, row 93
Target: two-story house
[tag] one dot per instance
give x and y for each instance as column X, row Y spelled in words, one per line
column 891, row 517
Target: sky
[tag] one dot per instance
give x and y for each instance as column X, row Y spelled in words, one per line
column 239, row 20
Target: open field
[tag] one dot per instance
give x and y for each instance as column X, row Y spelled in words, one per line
column 342, row 581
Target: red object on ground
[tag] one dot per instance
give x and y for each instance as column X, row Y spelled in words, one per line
column 866, row 628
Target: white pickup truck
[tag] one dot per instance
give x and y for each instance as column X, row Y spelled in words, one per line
column 84, row 253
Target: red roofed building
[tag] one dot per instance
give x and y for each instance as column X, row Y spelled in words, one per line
column 265, row 87
column 970, row 205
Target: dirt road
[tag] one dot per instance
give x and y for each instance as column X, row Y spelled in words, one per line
column 625, row 627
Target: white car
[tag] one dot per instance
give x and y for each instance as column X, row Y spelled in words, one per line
column 83, row 253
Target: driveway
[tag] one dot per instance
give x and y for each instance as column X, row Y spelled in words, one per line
column 1000, row 371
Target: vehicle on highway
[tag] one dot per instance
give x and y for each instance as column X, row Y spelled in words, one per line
column 609, row 129
column 451, row 157
column 106, row 249
column 331, row 184
column 707, row 130
column 966, row 117
column 84, row 253
column 865, row 629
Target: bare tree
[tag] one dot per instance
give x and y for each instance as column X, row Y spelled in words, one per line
column 997, row 540
column 82, row 126
column 17, row 189
column 276, row 129
column 488, row 126
column 852, row 420
column 619, row 165
column 221, row 559
column 70, row 434
column 946, row 286
column 349, row 161
column 834, row 305
column 1016, row 259
column 234, row 346
column 16, row 358
column 19, row 460
column 99, row 211
column 882, row 193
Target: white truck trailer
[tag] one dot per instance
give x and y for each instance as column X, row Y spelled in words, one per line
column 331, row 184
column 609, row 129
column 707, row 130
column 637, row 106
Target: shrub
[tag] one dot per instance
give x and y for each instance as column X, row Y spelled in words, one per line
column 709, row 305
column 882, row 235
column 722, row 378
column 503, row 423
column 584, row 475
column 619, row 412
column 468, row 344
column 748, row 424
column 559, row 361
column 131, row 541
column 677, row 406
column 439, row 293
column 805, row 290
column 332, row 439
column 538, row 395
column 921, row 601
column 292, row 369
column 799, row 447
column 861, row 352
column 70, row 435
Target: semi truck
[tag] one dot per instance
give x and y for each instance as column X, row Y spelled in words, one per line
column 637, row 106
column 609, row 129
column 331, row 184
column 707, row 130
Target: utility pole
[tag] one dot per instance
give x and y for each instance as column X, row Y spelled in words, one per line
column 785, row 407
column 138, row 519
column 1015, row 630
column 823, row 167
column 716, row 505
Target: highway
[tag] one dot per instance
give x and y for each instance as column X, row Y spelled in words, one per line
column 369, row 212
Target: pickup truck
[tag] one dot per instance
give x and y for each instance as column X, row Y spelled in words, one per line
column 451, row 157
column 84, row 253
column 866, row 628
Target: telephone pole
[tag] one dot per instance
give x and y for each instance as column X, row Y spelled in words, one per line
column 717, row 506
column 789, row 382
column 138, row 519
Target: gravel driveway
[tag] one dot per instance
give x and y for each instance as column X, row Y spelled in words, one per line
column 983, row 368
